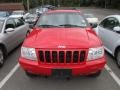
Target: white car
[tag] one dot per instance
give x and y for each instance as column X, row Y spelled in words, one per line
column 17, row 14
column 109, row 32
column 91, row 18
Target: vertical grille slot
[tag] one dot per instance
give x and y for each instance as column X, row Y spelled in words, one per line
column 68, row 56
column 54, row 56
column 47, row 56
column 82, row 56
column 61, row 56
column 41, row 55
column 75, row 56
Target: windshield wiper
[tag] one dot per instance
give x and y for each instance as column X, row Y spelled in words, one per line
column 47, row 26
column 70, row 25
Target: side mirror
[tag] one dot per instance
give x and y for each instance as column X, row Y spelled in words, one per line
column 9, row 30
column 93, row 25
column 117, row 29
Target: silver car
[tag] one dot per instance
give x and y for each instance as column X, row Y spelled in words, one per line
column 12, row 32
column 109, row 31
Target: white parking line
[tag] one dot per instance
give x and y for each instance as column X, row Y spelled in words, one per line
column 9, row 75
column 114, row 76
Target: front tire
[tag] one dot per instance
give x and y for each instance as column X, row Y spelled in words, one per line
column 1, row 57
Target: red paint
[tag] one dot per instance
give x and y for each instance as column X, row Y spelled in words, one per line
column 72, row 38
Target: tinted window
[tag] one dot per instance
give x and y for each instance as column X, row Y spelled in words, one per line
column 116, row 22
column 103, row 22
column 110, row 23
column 19, row 22
column 10, row 24
column 62, row 20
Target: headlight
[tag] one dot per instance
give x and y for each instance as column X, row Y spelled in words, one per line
column 28, row 53
column 95, row 53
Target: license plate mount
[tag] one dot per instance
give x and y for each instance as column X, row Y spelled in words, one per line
column 62, row 72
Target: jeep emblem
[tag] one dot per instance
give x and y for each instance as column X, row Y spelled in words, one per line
column 60, row 46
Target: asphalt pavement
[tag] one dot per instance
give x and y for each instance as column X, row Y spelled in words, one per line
column 12, row 77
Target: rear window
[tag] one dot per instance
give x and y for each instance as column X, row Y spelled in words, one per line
column 66, row 20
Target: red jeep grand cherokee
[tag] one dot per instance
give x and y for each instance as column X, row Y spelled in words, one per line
column 62, row 43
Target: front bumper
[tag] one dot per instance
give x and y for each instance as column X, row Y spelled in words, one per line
column 86, row 68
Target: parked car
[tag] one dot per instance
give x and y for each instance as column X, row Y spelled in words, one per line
column 41, row 10
column 25, row 15
column 4, row 14
column 18, row 14
column 51, row 7
column 109, row 32
column 31, row 19
column 62, row 43
column 91, row 19
column 12, row 32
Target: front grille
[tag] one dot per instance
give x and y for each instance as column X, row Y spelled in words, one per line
column 62, row 56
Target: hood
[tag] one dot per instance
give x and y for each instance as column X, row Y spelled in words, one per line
column 57, row 37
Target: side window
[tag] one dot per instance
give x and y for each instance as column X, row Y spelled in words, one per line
column 19, row 22
column 109, row 23
column 117, row 23
column 102, row 23
column 10, row 24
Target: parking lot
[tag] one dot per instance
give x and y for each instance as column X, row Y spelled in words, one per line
column 12, row 77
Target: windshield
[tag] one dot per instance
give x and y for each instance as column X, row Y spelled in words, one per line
column 67, row 20
column 17, row 13
column 1, row 25
column 2, row 14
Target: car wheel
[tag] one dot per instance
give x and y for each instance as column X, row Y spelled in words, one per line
column 95, row 74
column 30, row 74
column 1, row 58
column 118, row 58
